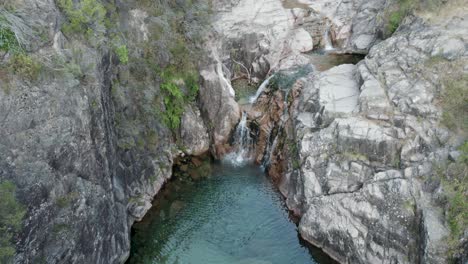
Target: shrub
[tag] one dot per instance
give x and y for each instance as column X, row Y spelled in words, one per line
column 404, row 7
column 175, row 97
column 86, row 17
column 173, row 102
column 11, row 215
column 455, row 182
column 8, row 39
column 395, row 19
column 25, row 66
column 122, row 53
column 396, row 16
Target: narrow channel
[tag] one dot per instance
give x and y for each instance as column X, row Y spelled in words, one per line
column 232, row 214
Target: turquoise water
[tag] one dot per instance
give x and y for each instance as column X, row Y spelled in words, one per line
column 233, row 216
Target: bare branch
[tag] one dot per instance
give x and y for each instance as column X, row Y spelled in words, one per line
column 247, row 70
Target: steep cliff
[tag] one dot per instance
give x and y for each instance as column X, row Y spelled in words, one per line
column 368, row 155
column 367, row 148
column 96, row 100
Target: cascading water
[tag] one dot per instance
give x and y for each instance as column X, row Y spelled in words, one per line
column 271, row 146
column 219, row 70
column 224, row 81
column 242, row 144
column 327, row 38
column 260, row 90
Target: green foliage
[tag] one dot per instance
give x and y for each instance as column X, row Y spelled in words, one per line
column 396, row 16
column 122, row 53
column 8, row 40
column 395, row 19
column 174, row 103
column 85, row 17
column 25, row 66
column 179, row 89
column 404, row 7
column 11, row 215
column 464, row 153
column 454, row 178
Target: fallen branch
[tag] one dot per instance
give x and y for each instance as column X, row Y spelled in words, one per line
column 247, row 70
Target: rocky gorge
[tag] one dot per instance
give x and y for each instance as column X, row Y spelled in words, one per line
column 99, row 99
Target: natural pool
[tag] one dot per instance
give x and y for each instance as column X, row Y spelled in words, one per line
column 233, row 216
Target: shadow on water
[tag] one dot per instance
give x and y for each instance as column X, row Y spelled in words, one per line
column 235, row 215
column 291, row 4
column 323, row 61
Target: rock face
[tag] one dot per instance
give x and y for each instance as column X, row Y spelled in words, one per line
column 193, row 132
column 353, row 25
column 367, row 136
column 218, row 106
column 352, row 152
column 259, row 34
column 85, row 142
column 82, row 136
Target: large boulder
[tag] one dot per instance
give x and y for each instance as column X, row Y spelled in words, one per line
column 221, row 112
column 193, row 132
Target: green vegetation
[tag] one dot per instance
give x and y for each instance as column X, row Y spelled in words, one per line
column 455, row 103
column 12, row 38
column 455, row 182
column 122, row 53
column 25, row 66
column 404, row 7
column 168, row 59
column 453, row 95
column 85, row 17
column 11, row 215
column 8, row 40
column 175, row 99
column 243, row 88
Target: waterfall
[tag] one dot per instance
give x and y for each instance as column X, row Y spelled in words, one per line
column 260, row 90
column 219, row 70
column 242, row 144
column 269, row 148
column 327, row 38
column 224, row 81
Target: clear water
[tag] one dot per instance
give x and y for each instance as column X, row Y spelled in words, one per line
column 323, row 61
column 233, row 216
